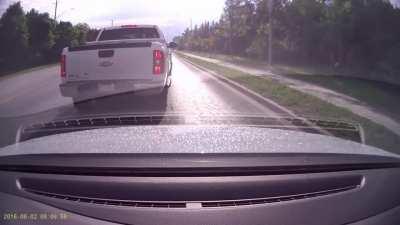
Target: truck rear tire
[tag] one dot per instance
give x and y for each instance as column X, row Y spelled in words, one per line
column 75, row 101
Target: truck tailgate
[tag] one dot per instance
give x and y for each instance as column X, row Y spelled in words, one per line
column 111, row 61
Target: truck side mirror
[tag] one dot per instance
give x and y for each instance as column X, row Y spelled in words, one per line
column 172, row 45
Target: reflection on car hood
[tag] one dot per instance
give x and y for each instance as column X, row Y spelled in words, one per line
column 342, row 129
column 189, row 139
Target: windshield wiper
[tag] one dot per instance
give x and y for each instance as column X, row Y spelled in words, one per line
column 341, row 129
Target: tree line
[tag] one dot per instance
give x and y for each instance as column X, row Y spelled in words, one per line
column 33, row 38
column 340, row 33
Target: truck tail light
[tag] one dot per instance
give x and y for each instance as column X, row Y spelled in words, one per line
column 62, row 62
column 158, row 62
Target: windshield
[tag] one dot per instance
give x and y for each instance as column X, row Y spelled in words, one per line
column 128, row 33
column 325, row 68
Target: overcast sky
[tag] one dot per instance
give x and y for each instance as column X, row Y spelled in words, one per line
column 173, row 16
column 99, row 13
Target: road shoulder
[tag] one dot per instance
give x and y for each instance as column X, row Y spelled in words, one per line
column 336, row 98
column 304, row 104
column 246, row 91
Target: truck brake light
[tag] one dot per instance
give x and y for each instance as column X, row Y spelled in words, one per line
column 62, row 62
column 158, row 62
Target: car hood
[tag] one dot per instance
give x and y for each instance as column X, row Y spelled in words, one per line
column 189, row 139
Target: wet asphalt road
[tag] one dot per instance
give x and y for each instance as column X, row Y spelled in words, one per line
column 35, row 97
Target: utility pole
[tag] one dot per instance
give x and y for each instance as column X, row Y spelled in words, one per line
column 270, row 6
column 55, row 12
column 230, row 32
column 112, row 23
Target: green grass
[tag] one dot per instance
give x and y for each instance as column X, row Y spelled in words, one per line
column 378, row 95
column 8, row 74
column 276, row 68
column 304, row 104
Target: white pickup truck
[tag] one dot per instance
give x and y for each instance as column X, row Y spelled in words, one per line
column 122, row 59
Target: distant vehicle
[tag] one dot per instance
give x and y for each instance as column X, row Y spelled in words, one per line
column 122, row 59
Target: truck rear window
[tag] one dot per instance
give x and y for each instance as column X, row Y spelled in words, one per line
column 129, row 33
